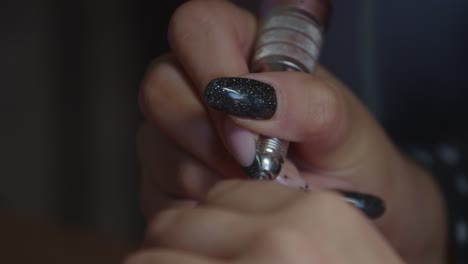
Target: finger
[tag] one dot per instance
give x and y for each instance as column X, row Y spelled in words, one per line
column 168, row 101
column 282, row 245
column 196, row 178
column 335, row 136
column 172, row 168
column 201, row 230
column 296, row 107
column 160, row 184
column 169, row 257
column 340, row 233
column 237, row 195
column 326, row 242
column 168, row 176
column 211, row 39
column 333, row 132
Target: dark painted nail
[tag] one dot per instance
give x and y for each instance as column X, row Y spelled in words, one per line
column 371, row 205
column 241, row 97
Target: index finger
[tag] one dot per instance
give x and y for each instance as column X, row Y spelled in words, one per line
column 211, row 39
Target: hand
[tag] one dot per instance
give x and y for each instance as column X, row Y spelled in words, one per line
column 336, row 144
column 236, row 224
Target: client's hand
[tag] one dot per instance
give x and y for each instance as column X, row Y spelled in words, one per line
column 336, row 144
column 243, row 222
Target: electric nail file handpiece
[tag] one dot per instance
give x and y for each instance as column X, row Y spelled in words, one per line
column 289, row 39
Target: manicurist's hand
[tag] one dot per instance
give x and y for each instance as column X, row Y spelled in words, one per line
column 246, row 222
column 335, row 145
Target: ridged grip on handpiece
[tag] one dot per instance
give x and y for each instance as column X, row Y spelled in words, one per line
column 270, row 155
column 320, row 10
column 289, row 39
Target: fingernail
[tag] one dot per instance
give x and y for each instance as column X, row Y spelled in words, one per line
column 242, row 97
column 240, row 142
column 372, row 206
column 294, row 182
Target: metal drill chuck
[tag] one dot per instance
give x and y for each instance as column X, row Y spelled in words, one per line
column 270, row 157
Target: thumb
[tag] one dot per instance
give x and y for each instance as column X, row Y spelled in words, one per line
column 330, row 129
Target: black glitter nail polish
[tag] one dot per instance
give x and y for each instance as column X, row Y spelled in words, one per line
column 241, row 97
column 372, row 206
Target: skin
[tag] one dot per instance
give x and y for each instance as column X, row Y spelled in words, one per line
column 336, row 143
column 292, row 227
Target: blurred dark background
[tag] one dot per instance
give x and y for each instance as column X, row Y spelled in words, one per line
column 70, row 74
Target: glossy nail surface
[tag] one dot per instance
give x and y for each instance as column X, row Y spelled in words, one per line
column 240, row 143
column 372, row 206
column 242, row 97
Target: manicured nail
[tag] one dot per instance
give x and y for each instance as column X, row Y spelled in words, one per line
column 242, row 97
column 240, row 142
column 371, row 205
column 294, row 181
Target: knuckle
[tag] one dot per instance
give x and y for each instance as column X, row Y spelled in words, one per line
column 154, row 92
column 189, row 19
column 326, row 107
column 183, row 227
column 222, row 188
column 159, row 228
column 285, row 244
column 277, row 235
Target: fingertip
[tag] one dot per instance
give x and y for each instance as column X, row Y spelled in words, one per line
column 240, row 142
column 307, row 108
column 290, row 177
column 211, row 39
